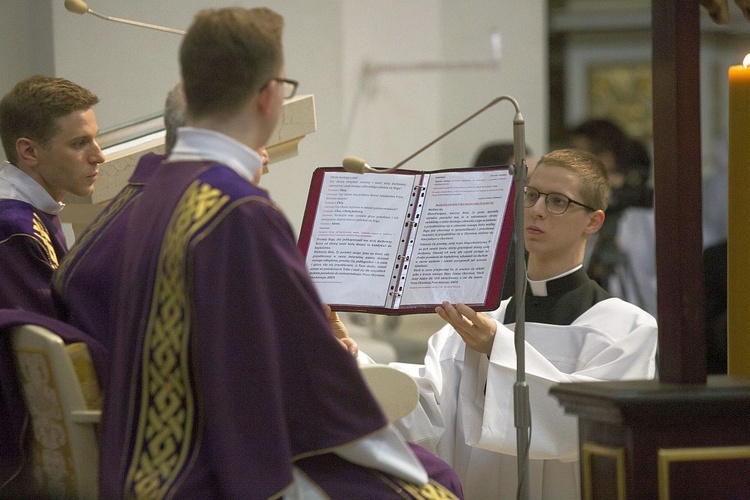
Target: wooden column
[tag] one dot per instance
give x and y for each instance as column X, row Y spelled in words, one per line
column 675, row 28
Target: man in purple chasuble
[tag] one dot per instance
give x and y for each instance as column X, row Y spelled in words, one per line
column 226, row 380
column 48, row 130
column 84, row 277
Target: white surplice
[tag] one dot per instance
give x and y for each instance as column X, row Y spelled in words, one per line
column 466, row 400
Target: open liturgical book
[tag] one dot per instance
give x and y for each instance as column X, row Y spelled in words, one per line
column 404, row 242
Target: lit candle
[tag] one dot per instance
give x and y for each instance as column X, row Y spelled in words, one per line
column 738, row 243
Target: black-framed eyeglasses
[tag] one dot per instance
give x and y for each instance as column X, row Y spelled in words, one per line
column 289, row 86
column 556, row 203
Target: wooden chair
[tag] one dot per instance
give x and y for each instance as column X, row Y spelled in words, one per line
column 63, row 399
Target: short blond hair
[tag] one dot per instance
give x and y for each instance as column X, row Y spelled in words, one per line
column 594, row 186
column 227, row 55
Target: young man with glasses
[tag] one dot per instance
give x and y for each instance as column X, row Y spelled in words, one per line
column 575, row 331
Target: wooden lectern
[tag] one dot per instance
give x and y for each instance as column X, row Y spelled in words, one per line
column 686, row 435
column 123, row 147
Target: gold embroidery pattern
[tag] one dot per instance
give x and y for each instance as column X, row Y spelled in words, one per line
column 42, row 236
column 430, row 491
column 107, row 216
column 165, row 420
column 53, row 459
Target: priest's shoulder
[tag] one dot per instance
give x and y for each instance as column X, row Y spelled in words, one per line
column 230, row 182
column 16, row 217
column 146, row 167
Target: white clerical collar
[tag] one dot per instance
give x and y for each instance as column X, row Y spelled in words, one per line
column 15, row 184
column 195, row 144
column 539, row 288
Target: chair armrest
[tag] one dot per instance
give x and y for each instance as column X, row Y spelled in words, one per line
column 86, row 416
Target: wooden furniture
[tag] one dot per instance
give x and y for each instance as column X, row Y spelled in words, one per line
column 124, row 147
column 649, row 439
column 63, row 399
column 686, row 435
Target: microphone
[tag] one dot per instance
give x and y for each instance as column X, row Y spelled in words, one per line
column 359, row 166
column 76, row 6
column 80, row 7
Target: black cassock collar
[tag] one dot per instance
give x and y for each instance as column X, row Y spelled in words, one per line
column 568, row 297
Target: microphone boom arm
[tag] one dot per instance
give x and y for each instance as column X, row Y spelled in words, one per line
column 80, row 7
column 518, row 128
column 137, row 23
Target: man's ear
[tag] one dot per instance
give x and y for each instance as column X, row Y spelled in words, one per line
column 26, row 150
column 265, row 99
column 596, row 219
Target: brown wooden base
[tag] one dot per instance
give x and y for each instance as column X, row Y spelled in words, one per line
column 649, row 440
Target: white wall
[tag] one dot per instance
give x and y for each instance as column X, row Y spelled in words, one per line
column 327, row 43
column 25, row 41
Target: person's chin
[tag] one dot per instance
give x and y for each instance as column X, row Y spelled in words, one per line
column 84, row 191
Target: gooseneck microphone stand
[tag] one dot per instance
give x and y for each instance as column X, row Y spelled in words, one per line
column 80, row 7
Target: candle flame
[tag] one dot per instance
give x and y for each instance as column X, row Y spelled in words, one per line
column 746, row 61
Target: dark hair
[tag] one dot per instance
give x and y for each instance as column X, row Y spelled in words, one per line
column 32, row 107
column 634, row 161
column 602, row 134
column 227, row 55
column 496, row 153
column 631, row 157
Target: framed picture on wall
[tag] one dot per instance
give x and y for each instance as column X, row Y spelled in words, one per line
column 622, row 92
column 610, row 77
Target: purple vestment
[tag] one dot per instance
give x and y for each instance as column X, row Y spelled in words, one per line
column 224, row 370
column 327, row 471
column 31, row 244
column 82, row 285
column 83, row 278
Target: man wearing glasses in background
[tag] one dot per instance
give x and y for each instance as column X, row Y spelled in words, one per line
column 575, row 331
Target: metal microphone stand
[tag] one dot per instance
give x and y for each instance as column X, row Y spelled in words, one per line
column 521, row 404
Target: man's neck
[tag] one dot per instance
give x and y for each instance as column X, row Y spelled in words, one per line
column 541, row 269
column 239, row 127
